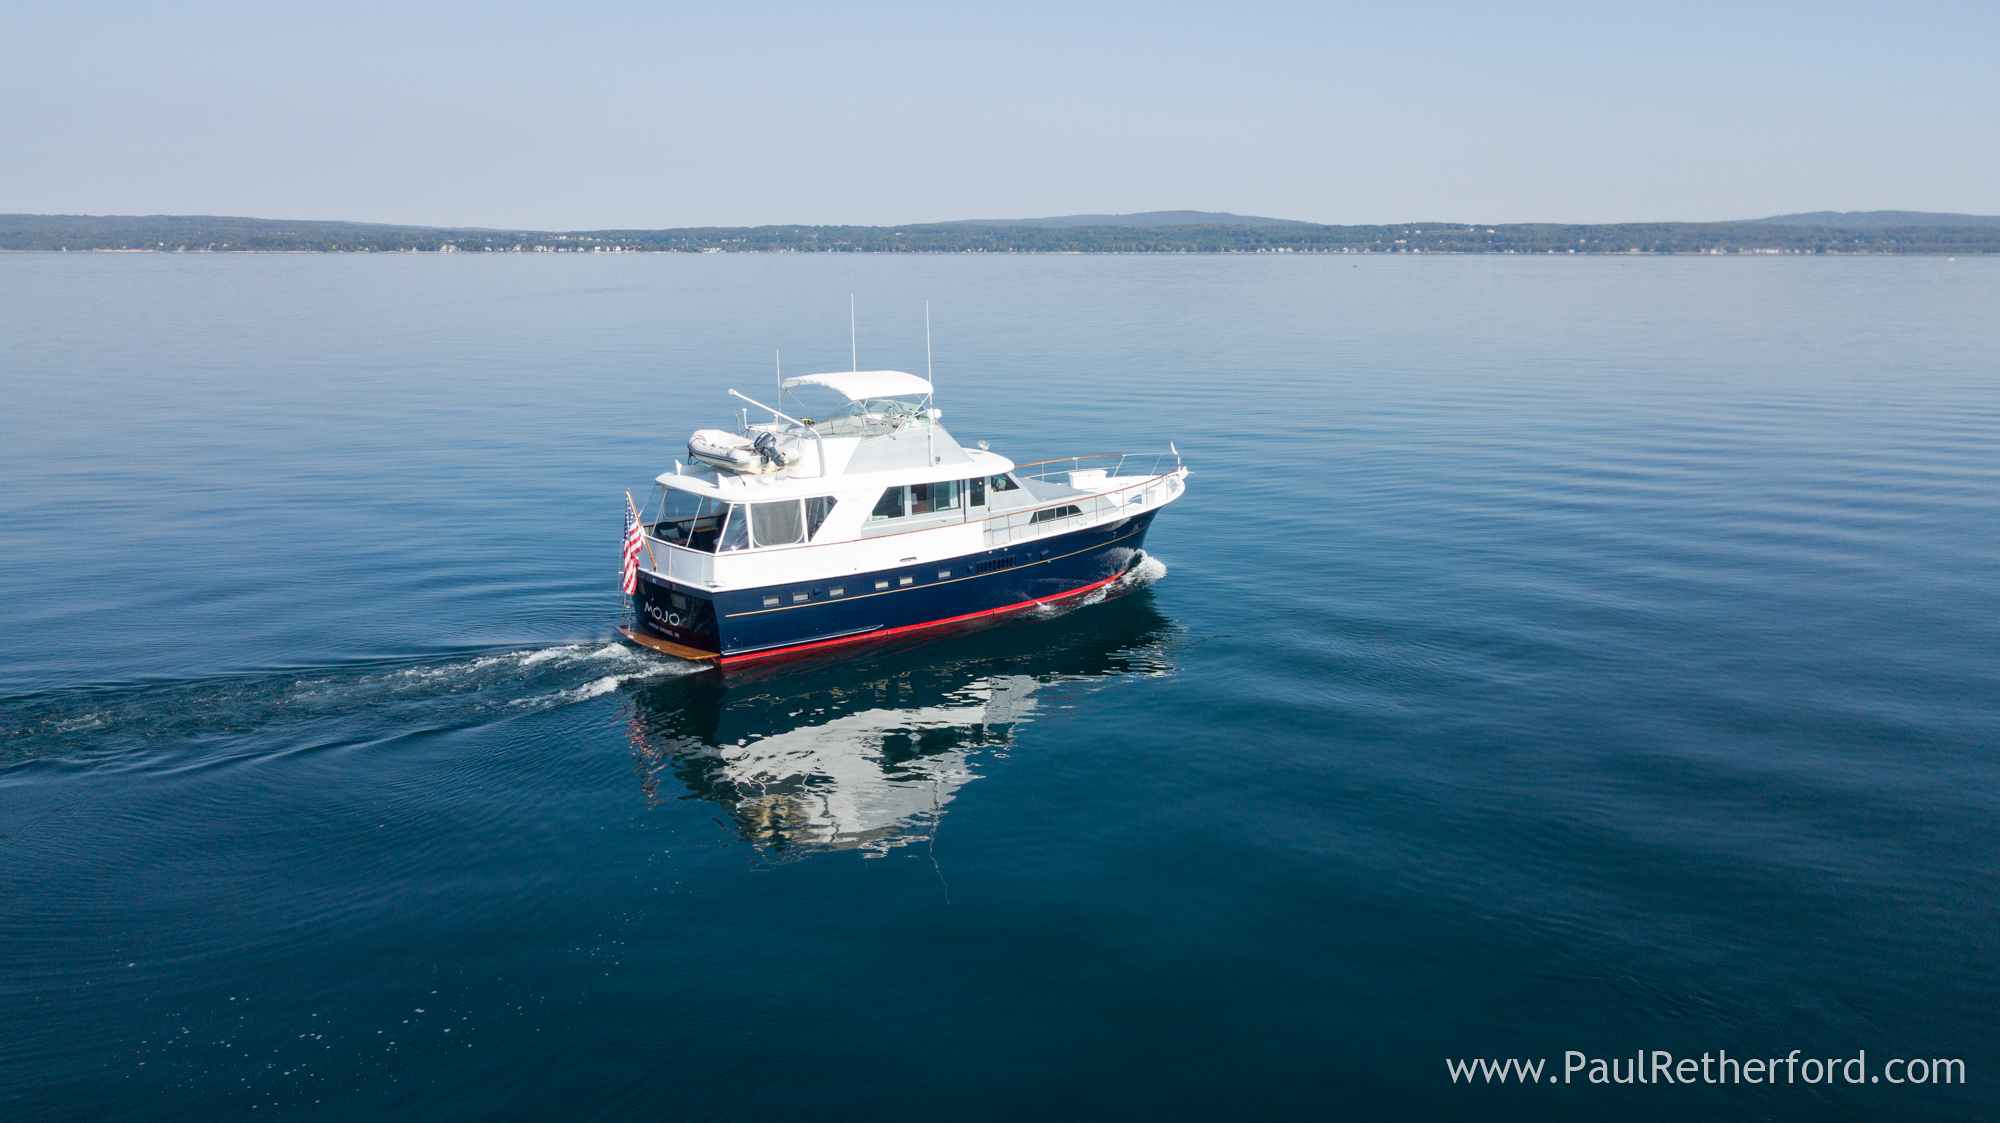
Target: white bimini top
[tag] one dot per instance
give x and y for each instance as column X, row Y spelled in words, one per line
column 858, row 385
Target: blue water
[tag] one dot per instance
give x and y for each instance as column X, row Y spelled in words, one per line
column 1591, row 655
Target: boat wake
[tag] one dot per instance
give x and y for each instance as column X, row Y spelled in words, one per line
column 318, row 704
column 1149, row 570
column 286, row 711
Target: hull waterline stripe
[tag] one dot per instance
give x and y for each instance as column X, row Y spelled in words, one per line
column 855, row 634
column 913, row 627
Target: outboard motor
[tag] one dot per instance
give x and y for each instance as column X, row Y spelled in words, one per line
column 767, row 443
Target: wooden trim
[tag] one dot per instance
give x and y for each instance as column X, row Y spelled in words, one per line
column 1067, row 459
column 667, row 647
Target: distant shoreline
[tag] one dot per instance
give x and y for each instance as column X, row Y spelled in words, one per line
column 207, row 234
column 1969, row 251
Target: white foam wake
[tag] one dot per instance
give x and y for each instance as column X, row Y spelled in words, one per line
column 642, row 664
column 1149, row 570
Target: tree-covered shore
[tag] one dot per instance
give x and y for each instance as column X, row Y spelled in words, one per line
column 194, row 233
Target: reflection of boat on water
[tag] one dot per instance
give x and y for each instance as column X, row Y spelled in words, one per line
column 865, row 754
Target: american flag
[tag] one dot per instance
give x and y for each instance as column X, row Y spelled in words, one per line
column 635, row 540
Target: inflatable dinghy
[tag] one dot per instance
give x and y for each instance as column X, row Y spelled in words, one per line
column 738, row 454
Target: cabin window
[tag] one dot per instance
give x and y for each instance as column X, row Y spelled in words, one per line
column 934, row 498
column 777, row 524
column 682, row 518
column 735, row 531
column 837, row 591
column 904, row 580
column 1050, row 514
column 978, row 488
column 799, row 598
column 770, row 602
column 1002, row 482
column 817, row 509
column 943, row 573
column 882, row 584
column 938, row 498
column 890, row 506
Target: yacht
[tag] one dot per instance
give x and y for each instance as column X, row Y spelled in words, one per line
column 795, row 533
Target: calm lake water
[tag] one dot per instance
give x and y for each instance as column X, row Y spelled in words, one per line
column 1549, row 655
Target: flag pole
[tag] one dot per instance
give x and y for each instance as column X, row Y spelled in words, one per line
column 643, row 536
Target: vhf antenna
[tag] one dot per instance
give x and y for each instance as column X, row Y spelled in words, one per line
column 854, row 354
column 930, row 431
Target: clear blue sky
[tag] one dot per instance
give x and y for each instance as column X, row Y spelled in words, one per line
column 649, row 115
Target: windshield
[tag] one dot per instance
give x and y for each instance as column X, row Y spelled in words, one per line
column 872, row 415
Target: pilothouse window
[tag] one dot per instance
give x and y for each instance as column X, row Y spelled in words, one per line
column 890, row 506
column 937, row 498
column 934, row 498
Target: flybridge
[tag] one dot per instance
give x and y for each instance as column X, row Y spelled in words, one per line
column 886, row 424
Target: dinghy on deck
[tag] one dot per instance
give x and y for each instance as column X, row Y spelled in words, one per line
column 720, row 449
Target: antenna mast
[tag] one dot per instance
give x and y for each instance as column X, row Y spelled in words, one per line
column 930, row 431
column 854, row 344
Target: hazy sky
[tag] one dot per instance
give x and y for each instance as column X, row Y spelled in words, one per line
column 651, row 115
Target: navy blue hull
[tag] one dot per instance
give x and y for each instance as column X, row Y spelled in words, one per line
column 743, row 622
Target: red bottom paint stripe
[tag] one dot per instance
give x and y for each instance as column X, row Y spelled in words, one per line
column 914, row 627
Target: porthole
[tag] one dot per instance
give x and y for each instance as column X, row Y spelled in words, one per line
column 799, row 598
column 769, row 601
column 881, row 584
column 904, row 580
column 837, row 591
column 943, row 573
